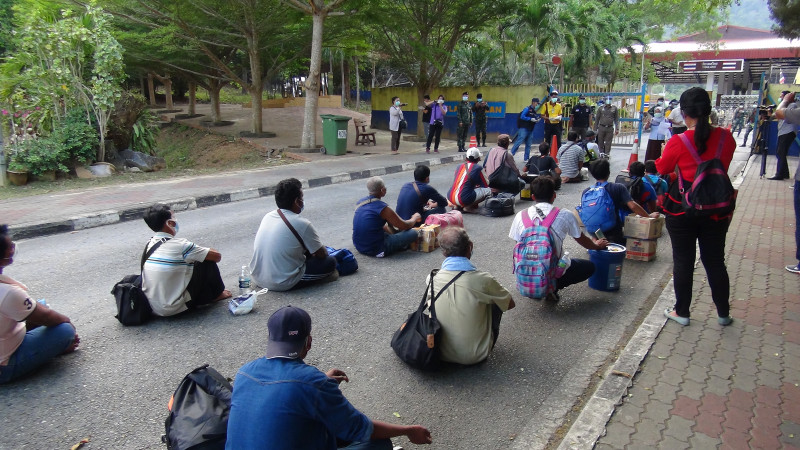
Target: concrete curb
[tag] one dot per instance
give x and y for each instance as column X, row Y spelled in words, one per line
column 109, row 217
column 593, row 418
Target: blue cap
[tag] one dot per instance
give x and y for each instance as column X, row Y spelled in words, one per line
column 289, row 328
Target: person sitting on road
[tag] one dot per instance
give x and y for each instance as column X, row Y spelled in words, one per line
column 378, row 230
column 469, row 187
column 544, row 165
column 31, row 334
column 590, row 147
column 623, row 203
column 179, row 275
column 499, row 156
column 281, row 259
column 647, row 196
column 282, row 403
column 419, row 196
column 565, row 224
column 570, row 159
column 469, row 309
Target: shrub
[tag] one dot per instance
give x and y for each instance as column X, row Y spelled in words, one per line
column 73, row 140
column 42, row 155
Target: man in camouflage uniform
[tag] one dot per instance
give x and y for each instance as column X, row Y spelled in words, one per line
column 738, row 120
column 464, row 114
column 479, row 110
column 607, row 124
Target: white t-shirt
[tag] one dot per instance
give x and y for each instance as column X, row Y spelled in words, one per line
column 278, row 258
column 565, row 224
column 676, row 117
column 167, row 273
column 15, row 307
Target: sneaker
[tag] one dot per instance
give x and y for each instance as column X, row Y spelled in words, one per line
column 725, row 321
column 436, row 150
column 669, row 312
column 794, row 269
column 333, row 276
column 427, row 150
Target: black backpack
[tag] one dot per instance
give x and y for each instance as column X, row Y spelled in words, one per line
column 198, row 412
column 711, row 193
column 634, row 186
column 133, row 308
column 499, row 206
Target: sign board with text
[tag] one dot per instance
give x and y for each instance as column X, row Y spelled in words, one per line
column 711, row 65
column 497, row 110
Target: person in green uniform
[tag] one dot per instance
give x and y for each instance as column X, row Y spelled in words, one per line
column 479, row 110
column 464, row 114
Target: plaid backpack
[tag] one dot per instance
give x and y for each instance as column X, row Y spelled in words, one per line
column 535, row 261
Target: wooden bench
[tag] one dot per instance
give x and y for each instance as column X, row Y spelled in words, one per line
column 362, row 136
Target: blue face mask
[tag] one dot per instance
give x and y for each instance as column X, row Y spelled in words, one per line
column 465, row 98
column 397, row 103
column 176, row 227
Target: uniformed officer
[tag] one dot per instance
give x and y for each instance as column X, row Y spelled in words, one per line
column 479, row 110
column 464, row 114
column 551, row 111
column 607, row 126
column 580, row 117
column 738, row 120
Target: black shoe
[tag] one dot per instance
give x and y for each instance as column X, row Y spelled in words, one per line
column 775, row 178
column 743, row 145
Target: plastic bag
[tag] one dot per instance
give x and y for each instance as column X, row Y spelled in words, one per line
column 243, row 304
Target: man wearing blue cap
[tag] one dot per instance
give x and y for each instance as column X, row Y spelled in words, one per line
column 280, row 402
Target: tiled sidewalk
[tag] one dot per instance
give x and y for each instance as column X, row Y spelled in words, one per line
column 706, row 386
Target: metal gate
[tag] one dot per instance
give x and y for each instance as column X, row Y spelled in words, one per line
column 631, row 106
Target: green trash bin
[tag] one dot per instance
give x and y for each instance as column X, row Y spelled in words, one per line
column 334, row 133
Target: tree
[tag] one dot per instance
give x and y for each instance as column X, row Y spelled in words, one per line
column 419, row 36
column 787, row 14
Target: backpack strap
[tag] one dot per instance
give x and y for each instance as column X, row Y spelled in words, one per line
column 690, row 146
column 416, row 188
column 359, row 205
column 548, row 221
column 294, row 232
column 432, row 308
column 146, row 254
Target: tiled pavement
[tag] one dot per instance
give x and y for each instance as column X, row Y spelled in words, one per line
column 705, row 386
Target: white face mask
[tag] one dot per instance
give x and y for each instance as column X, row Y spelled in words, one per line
column 553, row 99
column 175, row 226
column 582, row 102
column 465, row 98
column 658, row 115
column 440, row 101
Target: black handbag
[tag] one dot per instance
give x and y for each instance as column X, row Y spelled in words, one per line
column 403, row 125
column 415, row 341
column 133, row 308
column 504, row 179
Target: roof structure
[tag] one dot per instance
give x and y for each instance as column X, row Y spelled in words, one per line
column 761, row 51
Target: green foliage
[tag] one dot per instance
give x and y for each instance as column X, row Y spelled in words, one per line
column 787, row 14
column 145, row 131
column 43, row 155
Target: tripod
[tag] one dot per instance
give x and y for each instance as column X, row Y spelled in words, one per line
column 760, row 140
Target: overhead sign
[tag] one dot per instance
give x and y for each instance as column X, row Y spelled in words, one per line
column 712, row 65
column 497, row 110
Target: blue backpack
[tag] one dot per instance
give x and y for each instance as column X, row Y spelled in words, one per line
column 345, row 260
column 597, row 209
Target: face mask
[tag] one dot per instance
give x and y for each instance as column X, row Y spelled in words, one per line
column 658, row 115
column 465, row 98
column 480, row 99
column 582, row 102
column 176, row 227
column 660, row 103
column 553, row 99
column 397, row 103
column 609, row 102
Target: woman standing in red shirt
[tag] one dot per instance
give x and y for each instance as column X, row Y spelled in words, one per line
column 686, row 229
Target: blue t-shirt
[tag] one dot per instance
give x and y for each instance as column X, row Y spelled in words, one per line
column 368, row 224
column 620, row 196
column 285, row 404
column 658, row 183
column 408, row 202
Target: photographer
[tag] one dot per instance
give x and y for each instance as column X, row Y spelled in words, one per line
column 786, row 135
column 789, row 113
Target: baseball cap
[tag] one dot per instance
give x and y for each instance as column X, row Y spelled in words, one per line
column 474, row 153
column 590, row 133
column 289, row 328
column 554, row 92
column 535, row 100
column 582, row 97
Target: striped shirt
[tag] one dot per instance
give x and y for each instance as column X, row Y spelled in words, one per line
column 168, row 271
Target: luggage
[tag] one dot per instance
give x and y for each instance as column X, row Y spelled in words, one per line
column 346, row 263
column 452, row 218
column 499, row 206
column 634, row 186
column 505, row 179
column 534, row 258
column 198, row 412
column 133, row 307
column 597, row 210
column 711, row 193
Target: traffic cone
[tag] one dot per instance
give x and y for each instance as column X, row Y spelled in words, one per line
column 472, row 142
column 554, row 148
column 634, row 155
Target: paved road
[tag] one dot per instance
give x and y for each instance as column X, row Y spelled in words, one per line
column 115, row 389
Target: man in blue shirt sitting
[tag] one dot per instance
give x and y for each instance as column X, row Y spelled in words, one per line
column 282, row 403
column 419, row 196
column 378, row 230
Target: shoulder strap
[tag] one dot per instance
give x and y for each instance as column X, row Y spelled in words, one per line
column 359, row 205
column 432, row 309
column 294, row 232
column 722, row 137
column 548, row 221
column 526, row 219
column 690, row 146
column 416, row 188
column 146, row 254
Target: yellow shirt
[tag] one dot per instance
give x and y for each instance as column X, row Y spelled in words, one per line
column 552, row 111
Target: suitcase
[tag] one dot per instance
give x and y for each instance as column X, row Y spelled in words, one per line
column 452, row 218
column 502, row 205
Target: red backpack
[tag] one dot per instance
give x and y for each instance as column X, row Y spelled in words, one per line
column 711, row 193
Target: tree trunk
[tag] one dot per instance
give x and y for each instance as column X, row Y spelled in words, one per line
column 373, row 74
column 309, row 138
column 151, row 89
column 142, row 86
column 358, row 84
column 342, row 80
column 214, row 87
column 192, row 92
column 167, row 82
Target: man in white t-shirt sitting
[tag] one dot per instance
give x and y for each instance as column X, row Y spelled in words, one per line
column 281, row 259
column 179, row 274
column 544, row 194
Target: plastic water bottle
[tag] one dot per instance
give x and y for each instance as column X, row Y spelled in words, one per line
column 563, row 264
column 244, row 281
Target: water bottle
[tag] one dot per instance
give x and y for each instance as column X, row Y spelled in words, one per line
column 563, row 264
column 244, row 281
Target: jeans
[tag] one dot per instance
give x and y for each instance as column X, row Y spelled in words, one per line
column 523, row 135
column 206, row 284
column 435, row 133
column 710, row 235
column 316, row 269
column 579, row 270
column 381, row 444
column 393, row 243
column 40, row 345
column 782, row 150
column 746, row 134
column 797, row 219
column 395, row 140
column 426, row 127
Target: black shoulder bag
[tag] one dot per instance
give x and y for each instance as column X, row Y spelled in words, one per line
column 133, row 308
column 415, row 340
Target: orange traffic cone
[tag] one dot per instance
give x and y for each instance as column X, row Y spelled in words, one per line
column 634, row 155
column 554, row 148
column 472, row 142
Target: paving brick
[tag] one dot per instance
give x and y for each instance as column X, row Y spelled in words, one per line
column 703, row 442
column 685, row 407
column 696, row 373
column 767, row 417
column 617, row 435
column 743, row 382
column 657, row 410
column 768, row 378
column 648, row 430
column 679, row 428
column 709, row 424
column 672, row 443
column 738, row 419
column 717, row 386
column 766, row 439
column 712, row 404
column 691, row 389
column 735, row 440
column 628, row 415
column 790, row 433
column 768, row 396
